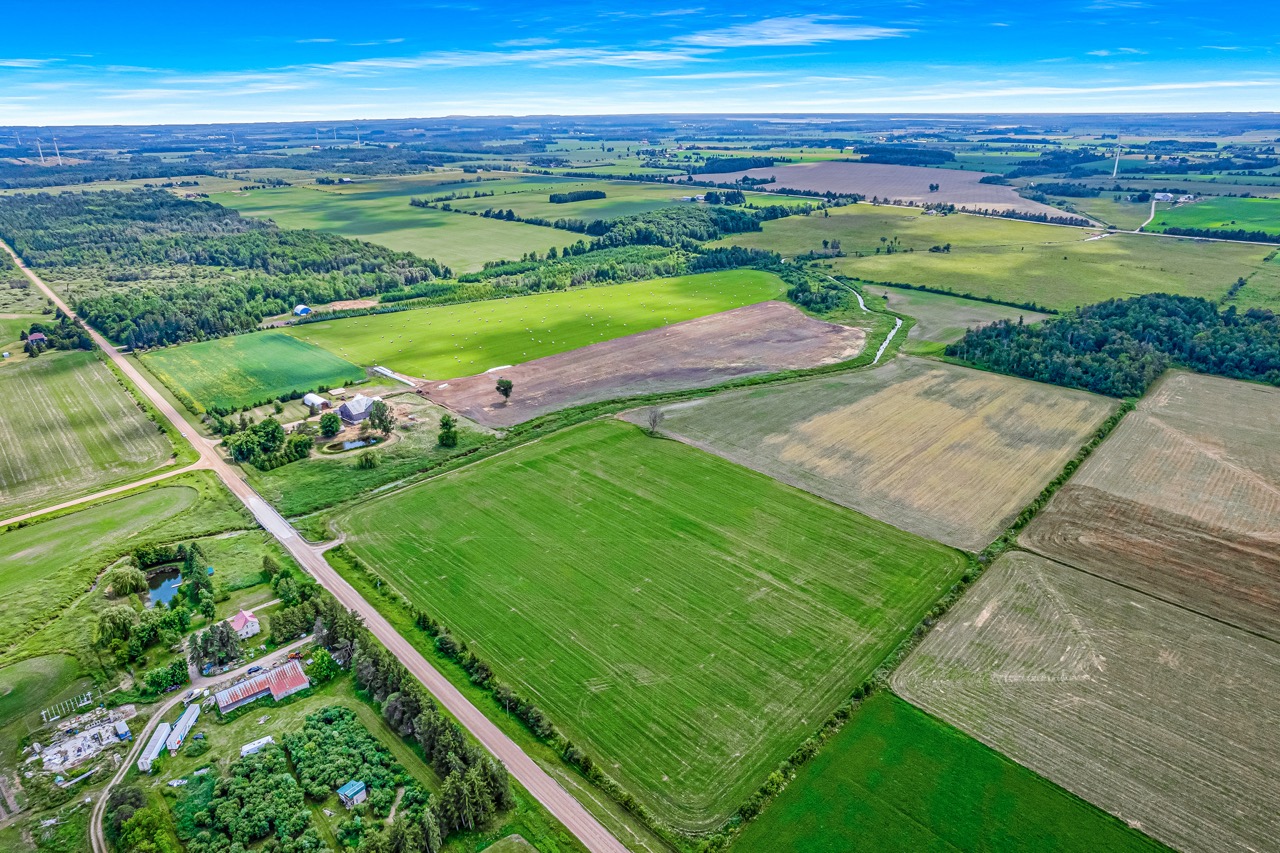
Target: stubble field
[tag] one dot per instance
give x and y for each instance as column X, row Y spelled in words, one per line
column 941, row 451
column 69, row 429
column 895, row 778
column 460, row 340
column 686, row 621
column 1160, row 716
column 763, row 338
column 1182, row 502
column 244, row 370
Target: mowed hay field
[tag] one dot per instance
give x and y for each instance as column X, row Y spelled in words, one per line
column 459, row 340
column 1049, row 265
column 1166, row 719
column 1182, row 502
column 895, row 778
column 245, row 370
column 379, row 211
column 69, row 429
column 686, row 621
column 942, row 319
column 946, row 452
column 1227, row 214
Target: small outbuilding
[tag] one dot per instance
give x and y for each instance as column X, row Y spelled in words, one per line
column 353, row 794
column 37, row 338
column 315, row 400
column 301, row 310
column 357, row 408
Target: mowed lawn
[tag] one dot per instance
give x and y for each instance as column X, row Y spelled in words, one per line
column 687, row 621
column 943, row 451
column 460, row 340
column 379, row 211
column 895, row 778
column 1227, row 214
column 69, row 429
column 246, row 370
column 1053, row 266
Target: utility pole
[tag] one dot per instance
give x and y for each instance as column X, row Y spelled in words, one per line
column 40, row 151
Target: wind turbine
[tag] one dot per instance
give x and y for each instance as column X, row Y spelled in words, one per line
column 40, row 151
column 56, row 152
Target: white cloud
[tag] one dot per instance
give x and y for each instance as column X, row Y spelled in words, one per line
column 711, row 75
column 1120, row 51
column 546, row 57
column 315, row 41
column 26, row 63
column 536, row 41
column 798, row 30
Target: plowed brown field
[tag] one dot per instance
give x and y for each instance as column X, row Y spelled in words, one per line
column 1182, row 502
column 763, row 338
column 1162, row 717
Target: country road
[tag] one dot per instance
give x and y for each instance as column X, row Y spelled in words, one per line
column 559, row 802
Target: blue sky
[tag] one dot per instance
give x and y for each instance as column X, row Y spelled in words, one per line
column 149, row 62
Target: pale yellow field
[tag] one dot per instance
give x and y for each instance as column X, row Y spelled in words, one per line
column 946, row 452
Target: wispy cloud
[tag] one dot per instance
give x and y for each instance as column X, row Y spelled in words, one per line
column 797, row 30
column 536, row 41
column 546, row 57
column 26, row 63
column 712, row 75
column 1120, row 51
column 315, row 41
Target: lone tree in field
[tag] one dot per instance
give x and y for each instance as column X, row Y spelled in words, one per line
column 330, row 424
column 381, row 419
column 504, row 388
column 448, row 431
column 655, row 419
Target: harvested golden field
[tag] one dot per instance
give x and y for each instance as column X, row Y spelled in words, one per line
column 946, row 452
column 1182, row 502
column 1162, row 717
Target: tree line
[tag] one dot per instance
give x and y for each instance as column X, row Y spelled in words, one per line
column 1121, row 346
column 576, row 195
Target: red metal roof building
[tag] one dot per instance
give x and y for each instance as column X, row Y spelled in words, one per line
column 279, row 682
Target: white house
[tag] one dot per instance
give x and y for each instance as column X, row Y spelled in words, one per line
column 245, row 624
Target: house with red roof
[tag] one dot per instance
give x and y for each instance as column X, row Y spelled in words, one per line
column 245, row 624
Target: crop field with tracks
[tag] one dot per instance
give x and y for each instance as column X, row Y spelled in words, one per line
column 764, row 338
column 686, row 621
column 1162, row 717
column 1229, row 214
column 449, row 341
column 895, row 778
column 70, row 430
column 1182, row 502
column 244, row 370
column 945, row 452
column 1053, row 266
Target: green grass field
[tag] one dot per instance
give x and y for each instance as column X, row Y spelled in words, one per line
column 895, row 778
column 1227, row 214
column 459, row 340
column 244, row 370
column 1014, row 261
column 49, row 564
column 27, row 688
column 379, row 211
column 686, row 620
column 70, row 430
column 1125, row 215
column 942, row 319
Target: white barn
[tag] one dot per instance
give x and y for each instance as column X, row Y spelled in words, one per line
column 153, row 748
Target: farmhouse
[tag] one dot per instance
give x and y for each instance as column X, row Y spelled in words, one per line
column 357, row 408
column 301, row 310
column 316, row 400
column 37, row 338
column 1163, row 196
column 279, row 683
column 353, row 794
column 245, row 624
column 153, row 748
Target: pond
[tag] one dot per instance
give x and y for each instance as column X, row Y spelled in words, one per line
column 339, row 446
column 163, row 586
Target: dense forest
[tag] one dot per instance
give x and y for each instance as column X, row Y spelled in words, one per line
column 1121, row 346
column 904, row 155
column 714, row 165
column 1226, row 234
column 120, row 236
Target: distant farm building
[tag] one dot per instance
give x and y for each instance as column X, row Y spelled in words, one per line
column 182, row 728
column 153, row 748
column 37, row 338
column 278, row 683
column 1163, row 196
column 315, row 400
column 254, row 746
column 122, row 730
column 301, row 310
column 245, row 624
column 353, row 794
column 357, row 408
